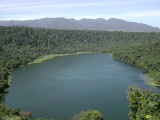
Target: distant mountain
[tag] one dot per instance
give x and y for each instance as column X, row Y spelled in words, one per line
column 84, row 24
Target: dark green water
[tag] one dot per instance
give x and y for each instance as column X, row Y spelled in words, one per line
column 63, row 86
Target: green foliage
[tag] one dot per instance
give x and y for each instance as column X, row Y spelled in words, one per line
column 143, row 104
column 6, row 112
column 144, row 55
column 88, row 115
column 21, row 45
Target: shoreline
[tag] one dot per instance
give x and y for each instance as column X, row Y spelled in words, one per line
column 47, row 57
column 39, row 60
column 148, row 79
column 9, row 81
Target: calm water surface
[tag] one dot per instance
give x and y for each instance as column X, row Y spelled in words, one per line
column 63, row 86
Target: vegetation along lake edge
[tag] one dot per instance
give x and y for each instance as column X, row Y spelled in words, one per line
column 20, row 46
column 147, row 77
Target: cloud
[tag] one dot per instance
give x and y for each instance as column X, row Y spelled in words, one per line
column 12, row 6
column 31, row 16
column 35, row 9
column 127, row 15
column 149, row 13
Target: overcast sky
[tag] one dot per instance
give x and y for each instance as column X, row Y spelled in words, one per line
column 141, row 11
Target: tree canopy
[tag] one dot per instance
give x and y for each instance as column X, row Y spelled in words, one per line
column 143, row 104
column 21, row 45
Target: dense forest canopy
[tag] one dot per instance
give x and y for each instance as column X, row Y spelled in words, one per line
column 143, row 104
column 21, row 45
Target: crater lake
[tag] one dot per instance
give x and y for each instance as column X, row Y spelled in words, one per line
column 63, row 86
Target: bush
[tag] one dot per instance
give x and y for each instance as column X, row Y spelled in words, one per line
column 88, row 115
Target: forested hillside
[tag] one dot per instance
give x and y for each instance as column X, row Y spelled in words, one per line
column 112, row 24
column 21, row 45
column 145, row 55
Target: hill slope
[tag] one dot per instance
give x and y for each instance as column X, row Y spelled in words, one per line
column 84, row 24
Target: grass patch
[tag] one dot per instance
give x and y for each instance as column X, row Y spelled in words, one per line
column 46, row 57
column 110, row 54
column 148, row 78
column 9, row 79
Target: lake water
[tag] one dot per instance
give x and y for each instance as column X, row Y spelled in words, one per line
column 63, row 86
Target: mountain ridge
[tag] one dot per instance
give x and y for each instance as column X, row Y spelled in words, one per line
column 111, row 24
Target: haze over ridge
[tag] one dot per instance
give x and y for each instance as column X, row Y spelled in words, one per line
column 112, row 24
